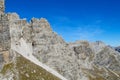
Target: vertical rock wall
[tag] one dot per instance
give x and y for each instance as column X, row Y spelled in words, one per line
column 2, row 7
column 4, row 38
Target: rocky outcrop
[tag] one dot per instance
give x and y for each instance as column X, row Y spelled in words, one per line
column 97, row 61
column 23, row 69
column 2, row 7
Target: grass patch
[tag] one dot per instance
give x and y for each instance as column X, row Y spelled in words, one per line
column 30, row 71
column 7, row 67
column 100, row 74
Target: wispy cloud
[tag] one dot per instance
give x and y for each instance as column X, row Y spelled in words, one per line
column 88, row 32
column 72, row 30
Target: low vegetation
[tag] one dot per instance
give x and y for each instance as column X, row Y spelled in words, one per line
column 23, row 69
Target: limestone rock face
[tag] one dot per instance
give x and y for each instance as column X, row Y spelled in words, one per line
column 14, row 66
column 2, row 7
column 100, row 65
column 81, row 60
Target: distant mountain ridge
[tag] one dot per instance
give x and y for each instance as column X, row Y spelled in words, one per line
column 117, row 48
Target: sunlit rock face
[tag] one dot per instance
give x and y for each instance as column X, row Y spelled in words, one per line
column 13, row 66
column 2, row 7
column 97, row 61
column 81, row 60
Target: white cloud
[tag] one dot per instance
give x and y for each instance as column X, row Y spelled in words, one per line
column 88, row 32
column 73, row 30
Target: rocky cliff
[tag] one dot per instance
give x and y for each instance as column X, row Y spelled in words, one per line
column 23, row 43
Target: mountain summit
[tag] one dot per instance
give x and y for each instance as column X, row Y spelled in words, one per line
column 33, row 51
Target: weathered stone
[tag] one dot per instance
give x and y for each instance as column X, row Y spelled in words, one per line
column 2, row 7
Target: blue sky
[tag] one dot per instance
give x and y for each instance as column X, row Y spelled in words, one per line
column 90, row 20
